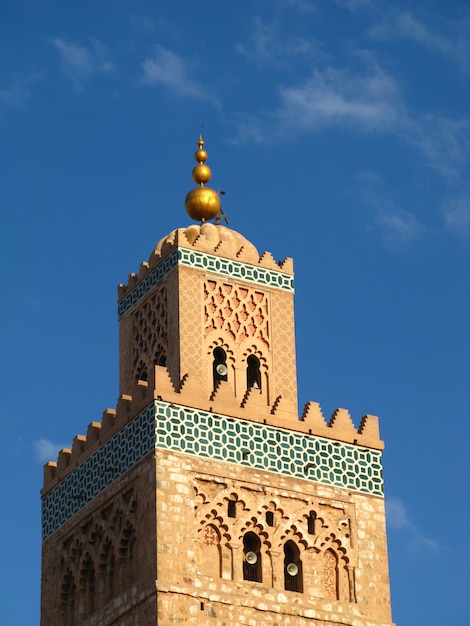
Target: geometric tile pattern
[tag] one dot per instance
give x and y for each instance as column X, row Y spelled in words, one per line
column 115, row 457
column 233, row 440
column 263, row 447
column 208, row 263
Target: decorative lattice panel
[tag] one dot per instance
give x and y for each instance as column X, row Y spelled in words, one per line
column 240, row 311
column 150, row 334
column 210, row 263
column 190, row 431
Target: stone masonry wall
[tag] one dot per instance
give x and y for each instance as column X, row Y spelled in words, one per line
column 200, row 552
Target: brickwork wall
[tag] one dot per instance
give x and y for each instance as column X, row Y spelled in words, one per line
column 200, row 548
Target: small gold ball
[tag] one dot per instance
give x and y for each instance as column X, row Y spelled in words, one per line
column 200, row 156
column 201, row 173
column 202, row 203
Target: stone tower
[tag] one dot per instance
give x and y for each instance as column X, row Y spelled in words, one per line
column 204, row 498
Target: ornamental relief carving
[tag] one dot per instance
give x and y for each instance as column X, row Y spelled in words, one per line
column 150, row 334
column 319, row 532
column 241, row 312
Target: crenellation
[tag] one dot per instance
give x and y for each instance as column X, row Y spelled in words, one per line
column 78, row 447
column 342, row 423
column 93, row 432
column 50, row 470
column 108, row 420
column 63, row 460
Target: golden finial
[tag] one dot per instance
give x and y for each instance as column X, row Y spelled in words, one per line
column 202, row 203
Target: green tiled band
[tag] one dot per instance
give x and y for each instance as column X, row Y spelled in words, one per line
column 209, row 263
column 190, row 431
column 268, row 448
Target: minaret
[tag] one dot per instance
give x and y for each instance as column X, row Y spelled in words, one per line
column 204, row 498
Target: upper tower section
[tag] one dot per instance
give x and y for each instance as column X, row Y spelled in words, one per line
column 212, row 315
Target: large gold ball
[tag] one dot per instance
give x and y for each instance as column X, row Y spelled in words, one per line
column 202, row 174
column 202, row 203
column 200, row 156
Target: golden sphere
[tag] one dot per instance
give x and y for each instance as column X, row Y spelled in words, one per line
column 202, row 203
column 201, row 174
column 200, row 156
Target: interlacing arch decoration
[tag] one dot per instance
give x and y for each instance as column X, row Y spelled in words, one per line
column 68, row 598
column 93, row 561
column 150, row 334
column 107, row 570
column 241, row 312
column 87, row 579
column 335, row 568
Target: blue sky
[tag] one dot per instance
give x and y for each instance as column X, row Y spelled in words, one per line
column 339, row 130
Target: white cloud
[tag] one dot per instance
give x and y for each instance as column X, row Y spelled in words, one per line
column 456, row 213
column 16, row 93
column 442, row 141
column 47, row 450
column 398, row 519
column 397, row 226
column 339, row 97
column 269, row 44
column 407, row 26
column 397, row 515
column 80, row 62
column 168, row 69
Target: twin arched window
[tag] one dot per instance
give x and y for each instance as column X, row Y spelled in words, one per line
column 220, row 369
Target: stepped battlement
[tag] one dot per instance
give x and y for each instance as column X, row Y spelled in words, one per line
column 210, row 239
column 340, row 427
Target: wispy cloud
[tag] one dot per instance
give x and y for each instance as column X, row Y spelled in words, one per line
column 268, row 43
column 170, row 70
column 15, row 94
column 47, row 450
column 398, row 226
column 398, row 519
column 442, row 141
column 80, row 62
column 338, row 97
column 456, row 214
column 366, row 99
column 407, row 26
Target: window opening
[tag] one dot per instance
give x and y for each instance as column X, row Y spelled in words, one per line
column 232, row 508
column 311, row 522
column 252, row 558
column 293, row 576
column 219, row 366
column 253, row 374
column 269, row 518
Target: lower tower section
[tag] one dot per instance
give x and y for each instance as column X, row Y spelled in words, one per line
column 178, row 515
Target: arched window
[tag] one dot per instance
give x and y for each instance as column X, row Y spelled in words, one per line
column 253, row 374
column 232, row 508
column 252, row 558
column 293, row 575
column 330, row 575
column 312, row 516
column 219, row 366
